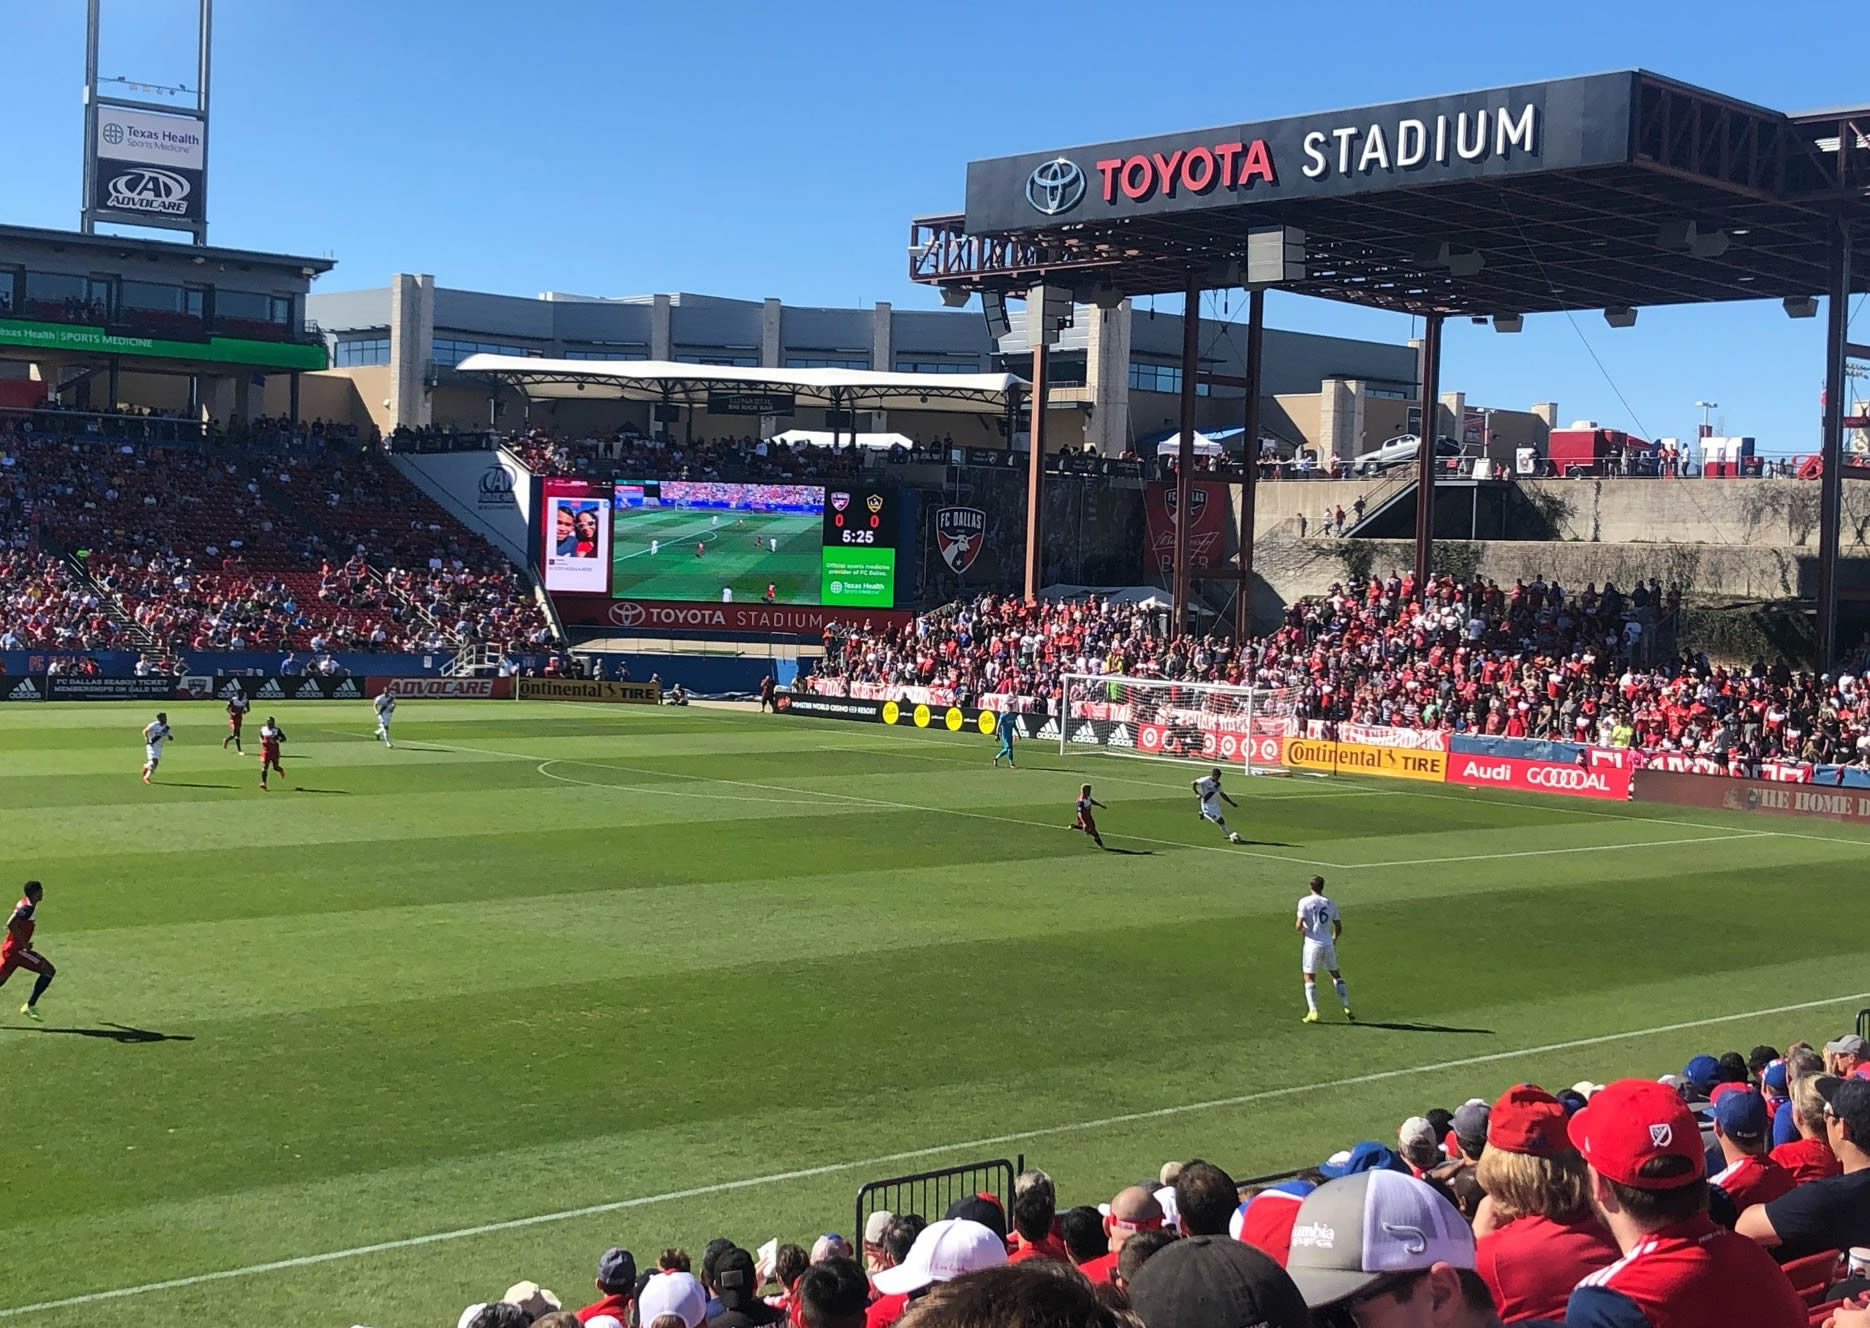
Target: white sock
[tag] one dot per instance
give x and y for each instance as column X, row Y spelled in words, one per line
column 1344, row 996
column 1311, row 997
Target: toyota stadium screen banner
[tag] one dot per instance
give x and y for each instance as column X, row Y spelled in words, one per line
column 575, row 538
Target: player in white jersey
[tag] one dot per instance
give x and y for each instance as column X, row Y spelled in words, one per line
column 1320, row 925
column 1208, row 790
column 154, row 735
column 385, row 706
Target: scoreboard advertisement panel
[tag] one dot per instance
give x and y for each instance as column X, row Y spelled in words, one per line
column 857, row 566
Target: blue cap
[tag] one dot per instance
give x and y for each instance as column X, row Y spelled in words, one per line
column 1369, row 1155
column 1741, row 1114
column 1775, row 1077
column 1300, row 1188
column 1702, row 1073
column 1571, row 1100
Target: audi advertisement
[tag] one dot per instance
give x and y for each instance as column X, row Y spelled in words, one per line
column 1511, row 772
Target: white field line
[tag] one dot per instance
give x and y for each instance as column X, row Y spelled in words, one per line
column 908, row 1155
column 854, row 800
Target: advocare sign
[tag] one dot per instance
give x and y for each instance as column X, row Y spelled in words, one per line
column 149, row 167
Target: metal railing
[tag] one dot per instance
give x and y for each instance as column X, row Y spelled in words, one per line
column 929, row 1193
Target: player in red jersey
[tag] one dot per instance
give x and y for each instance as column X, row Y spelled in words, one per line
column 236, row 715
column 16, row 949
column 1085, row 821
column 270, row 738
column 700, row 546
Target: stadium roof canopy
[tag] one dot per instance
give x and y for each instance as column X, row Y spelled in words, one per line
column 1609, row 191
column 694, row 384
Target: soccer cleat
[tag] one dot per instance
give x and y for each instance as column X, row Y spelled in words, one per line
column 32, row 1012
column 1348, row 1015
column 1311, row 1017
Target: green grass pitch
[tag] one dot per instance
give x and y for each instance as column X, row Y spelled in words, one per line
column 713, row 970
column 730, row 560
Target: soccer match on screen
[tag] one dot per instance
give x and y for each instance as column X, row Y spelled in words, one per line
column 724, row 666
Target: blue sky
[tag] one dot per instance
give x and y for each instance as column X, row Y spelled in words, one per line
column 765, row 149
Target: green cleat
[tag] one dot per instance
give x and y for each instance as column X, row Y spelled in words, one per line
column 1348, row 1015
column 32, row 1013
column 1311, row 1017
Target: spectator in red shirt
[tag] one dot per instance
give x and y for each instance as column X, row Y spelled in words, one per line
column 1035, row 1210
column 1809, row 1157
column 1649, row 1185
column 616, row 1283
column 1749, row 1176
column 1537, row 1235
column 1134, row 1209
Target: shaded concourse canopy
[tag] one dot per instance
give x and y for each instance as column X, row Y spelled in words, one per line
column 693, row 384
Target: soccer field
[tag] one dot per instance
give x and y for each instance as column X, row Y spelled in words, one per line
column 549, row 977
column 731, row 560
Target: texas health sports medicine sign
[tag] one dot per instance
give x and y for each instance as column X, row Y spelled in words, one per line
column 148, row 166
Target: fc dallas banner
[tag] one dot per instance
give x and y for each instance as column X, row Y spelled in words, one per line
column 1209, row 516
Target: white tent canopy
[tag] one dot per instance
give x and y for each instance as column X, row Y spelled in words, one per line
column 1204, row 446
column 689, row 384
column 881, row 442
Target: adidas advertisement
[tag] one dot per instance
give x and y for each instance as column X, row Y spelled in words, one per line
column 71, row 687
column 270, row 690
column 308, row 687
column 21, row 689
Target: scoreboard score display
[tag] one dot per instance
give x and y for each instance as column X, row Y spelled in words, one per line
column 858, row 562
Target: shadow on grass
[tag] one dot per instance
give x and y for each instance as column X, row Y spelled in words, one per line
column 1131, row 852
column 301, row 788
column 177, row 783
column 1410, row 1026
column 110, row 1032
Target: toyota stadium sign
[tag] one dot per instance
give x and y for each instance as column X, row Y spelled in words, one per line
column 1561, row 125
column 663, row 615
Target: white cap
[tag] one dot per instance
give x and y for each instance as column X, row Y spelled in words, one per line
column 673, row 1293
column 532, row 1298
column 945, row 1250
column 1586, row 1089
column 1171, row 1214
column 471, row 1313
column 1416, row 1130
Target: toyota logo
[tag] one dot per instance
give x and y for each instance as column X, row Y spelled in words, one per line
column 628, row 613
column 1055, row 186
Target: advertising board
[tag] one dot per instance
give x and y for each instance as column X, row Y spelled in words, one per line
column 1356, row 758
column 78, row 687
column 575, row 532
column 441, row 689
column 581, row 689
column 149, row 167
column 1812, row 801
column 806, row 705
column 1597, row 781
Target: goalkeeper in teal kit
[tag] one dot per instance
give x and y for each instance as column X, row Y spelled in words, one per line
column 1006, row 745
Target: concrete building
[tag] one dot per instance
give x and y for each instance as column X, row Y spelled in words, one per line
column 1116, row 376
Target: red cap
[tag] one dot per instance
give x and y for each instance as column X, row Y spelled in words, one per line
column 1527, row 1119
column 1632, row 1121
column 1722, row 1090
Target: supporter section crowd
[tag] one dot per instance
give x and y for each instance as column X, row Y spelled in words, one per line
column 630, row 456
column 227, row 548
column 1537, row 660
column 1735, row 1194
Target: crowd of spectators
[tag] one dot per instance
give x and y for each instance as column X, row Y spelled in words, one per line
column 327, row 547
column 1534, row 660
column 627, row 455
column 1732, row 1193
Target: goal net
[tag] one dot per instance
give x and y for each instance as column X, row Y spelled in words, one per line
column 1200, row 721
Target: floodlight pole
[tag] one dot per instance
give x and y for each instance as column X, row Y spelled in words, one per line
column 1425, row 448
column 1831, row 452
column 1250, row 453
column 1185, row 456
column 1035, row 457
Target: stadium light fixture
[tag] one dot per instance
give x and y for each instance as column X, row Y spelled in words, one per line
column 955, row 297
column 1508, row 322
column 1620, row 316
column 1801, row 306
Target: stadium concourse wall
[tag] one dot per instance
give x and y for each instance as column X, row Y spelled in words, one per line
column 122, row 663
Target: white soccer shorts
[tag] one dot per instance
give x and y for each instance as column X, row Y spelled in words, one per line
column 1319, row 955
column 1211, row 810
column 152, row 751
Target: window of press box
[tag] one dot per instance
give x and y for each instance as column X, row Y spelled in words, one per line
column 361, row 350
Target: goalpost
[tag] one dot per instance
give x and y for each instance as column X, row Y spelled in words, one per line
column 1197, row 721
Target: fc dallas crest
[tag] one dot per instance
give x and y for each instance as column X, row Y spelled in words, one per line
column 959, row 534
column 1197, row 503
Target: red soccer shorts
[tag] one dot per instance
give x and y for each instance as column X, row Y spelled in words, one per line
column 30, row 960
column 1087, row 823
column 233, row 722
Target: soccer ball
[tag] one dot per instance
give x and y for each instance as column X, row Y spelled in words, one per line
column 1233, row 836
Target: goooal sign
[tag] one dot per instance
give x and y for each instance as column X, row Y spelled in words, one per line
column 1601, row 781
column 1562, row 125
column 149, row 167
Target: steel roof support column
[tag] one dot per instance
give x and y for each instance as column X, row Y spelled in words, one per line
column 1035, row 457
column 1250, row 453
column 1425, row 448
column 1185, row 458
column 1831, row 482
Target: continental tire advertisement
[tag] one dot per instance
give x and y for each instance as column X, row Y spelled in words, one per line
column 576, row 689
column 1356, row 758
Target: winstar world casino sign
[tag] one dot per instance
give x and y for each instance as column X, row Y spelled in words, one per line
column 1562, row 125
